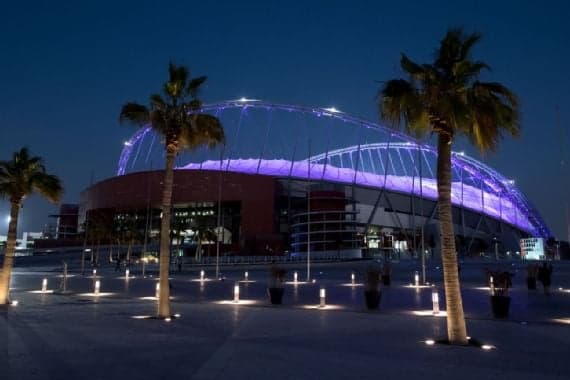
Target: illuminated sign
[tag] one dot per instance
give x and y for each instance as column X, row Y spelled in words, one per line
column 532, row 249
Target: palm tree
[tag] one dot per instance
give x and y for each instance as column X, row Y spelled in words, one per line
column 174, row 115
column 20, row 177
column 447, row 98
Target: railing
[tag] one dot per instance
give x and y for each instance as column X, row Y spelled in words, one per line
column 261, row 260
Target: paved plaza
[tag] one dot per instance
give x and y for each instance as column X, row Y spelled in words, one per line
column 80, row 336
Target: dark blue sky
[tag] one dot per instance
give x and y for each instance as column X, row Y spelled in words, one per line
column 67, row 67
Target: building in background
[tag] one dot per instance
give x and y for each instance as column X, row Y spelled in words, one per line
column 66, row 221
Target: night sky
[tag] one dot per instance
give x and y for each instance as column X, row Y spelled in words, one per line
column 67, row 67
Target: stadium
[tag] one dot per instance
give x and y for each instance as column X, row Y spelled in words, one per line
column 292, row 179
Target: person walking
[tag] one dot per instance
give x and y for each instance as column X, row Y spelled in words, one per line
column 545, row 276
column 117, row 264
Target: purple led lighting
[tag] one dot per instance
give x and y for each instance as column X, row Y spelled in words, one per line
column 478, row 186
column 282, row 168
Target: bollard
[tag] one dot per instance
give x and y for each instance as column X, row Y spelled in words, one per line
column 322, row 295
column 417, row 278
column 44, row 285
column 157, row 291
column 435, row 300
column 97, row 287
column 201, row 275
column 236, row 293
column 246, row 276
column 127, row 272
column 94, row 272
column 295, row 277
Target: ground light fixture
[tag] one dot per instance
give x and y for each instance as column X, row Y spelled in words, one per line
column 470, row 343
column 295, row 277
column 202, row 275
column 246, row 276
column 322, row 296
column 127, row 272
column 94, row 272
column 44, row 285
column 352, row 278
column 435, row 300
column 97, row 288
column 157, row 290
column 236, row 292
column 175, row 316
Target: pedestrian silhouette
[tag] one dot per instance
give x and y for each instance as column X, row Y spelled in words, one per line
column 545, row 276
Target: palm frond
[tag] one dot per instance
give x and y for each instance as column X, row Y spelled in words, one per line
column 400, row 104
column 47, row 185
column 194, row 85
column 157, row 102
column 410, row 67
column 134, row 113
column 176, row 85
column 177, row 74
column 467, row 45
column 202, row 129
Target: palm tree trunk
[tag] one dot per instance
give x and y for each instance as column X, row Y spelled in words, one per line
column 456, row 330
column 6, row 274
column 164, row 295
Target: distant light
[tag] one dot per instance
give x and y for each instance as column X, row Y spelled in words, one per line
column 461, row 153
column 128, row 143
column 7, row 218
column 487, row 347
column 511, row 181
column 167, row 319
column 430, row 342
column 244, row 99
column 332, row 109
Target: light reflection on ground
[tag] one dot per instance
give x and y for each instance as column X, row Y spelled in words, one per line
column 326, row 307
column 240, row 302
column 428, row 313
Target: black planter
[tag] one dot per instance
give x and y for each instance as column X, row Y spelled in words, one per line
column 531, row 283
column 276, row 295
column 500, row 306
column 386, row 279
column 372, row 298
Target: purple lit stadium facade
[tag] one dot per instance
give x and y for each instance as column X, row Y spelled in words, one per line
column 295, row 178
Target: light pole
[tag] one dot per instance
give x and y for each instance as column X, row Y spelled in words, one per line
column 219, row 219
column 309, row 215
